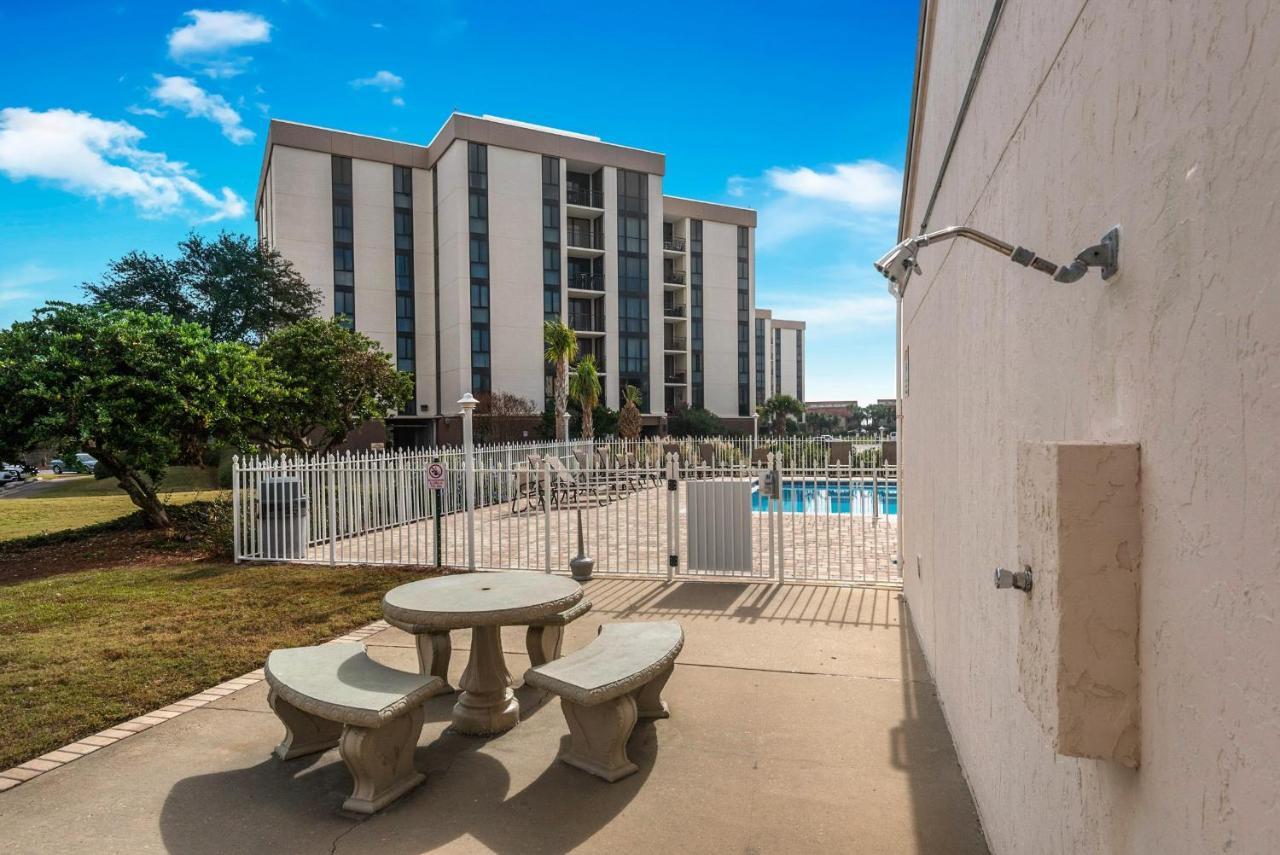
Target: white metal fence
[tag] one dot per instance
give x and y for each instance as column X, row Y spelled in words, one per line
column 789, row 511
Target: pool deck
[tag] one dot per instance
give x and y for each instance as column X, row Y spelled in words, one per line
column 627, row 534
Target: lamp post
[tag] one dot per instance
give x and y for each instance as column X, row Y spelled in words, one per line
column 566, row 431
column 755, row 429
column 468, row 403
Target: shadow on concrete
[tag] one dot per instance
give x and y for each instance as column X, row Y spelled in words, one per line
column 921, row 746
column 294, row 806
column 749, row 602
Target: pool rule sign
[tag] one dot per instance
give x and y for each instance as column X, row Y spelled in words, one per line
column 437, row 475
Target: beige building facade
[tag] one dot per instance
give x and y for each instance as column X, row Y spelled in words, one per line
column 779, row 357
column 1017, row 391
column 452, row 254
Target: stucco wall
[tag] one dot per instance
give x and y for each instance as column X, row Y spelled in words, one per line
column 1162, row 117
column 720, row 317
column 300, row 214
column 515, row 272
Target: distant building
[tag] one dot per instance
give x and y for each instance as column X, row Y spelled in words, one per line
column 842, row 411
column 779, row 357
column 452, row 254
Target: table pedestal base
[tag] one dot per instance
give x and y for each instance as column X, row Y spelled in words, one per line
column 487, row 706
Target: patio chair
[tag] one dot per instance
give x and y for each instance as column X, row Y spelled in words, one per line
column 527, row 485
column 760, row 455
column 565, row 484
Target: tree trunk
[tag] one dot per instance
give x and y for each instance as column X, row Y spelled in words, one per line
column 588, row 426
column 562, row 398
column 141, row 491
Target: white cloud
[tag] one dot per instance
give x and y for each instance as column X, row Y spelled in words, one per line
column 98, row 158
column 183, row 93
column 398, row 101
column 145, row 111
column 17, row 283
column 384, row 80
column 865, row 185
column 859, row 197
column 840, row 314
column 208, row 41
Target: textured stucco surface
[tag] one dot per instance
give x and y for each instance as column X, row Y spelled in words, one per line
column 1163, row 117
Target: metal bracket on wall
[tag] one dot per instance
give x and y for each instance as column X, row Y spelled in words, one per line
column 1104, row 254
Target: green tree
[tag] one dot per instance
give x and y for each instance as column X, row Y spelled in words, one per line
column 629, row 421
column 778, row 410
column 881, row 418
column 138, row 391
column 696, row 421
column 237, row 287
column 561, row 348
column 584, row 387
column 334, row 380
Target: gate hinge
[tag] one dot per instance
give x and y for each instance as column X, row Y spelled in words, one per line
column 671, row 484
column 673, row 560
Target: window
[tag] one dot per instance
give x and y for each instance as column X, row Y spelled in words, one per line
column 744, row 321
column 551, row 267
column 402, row 202
column 344, row 261
column 695, row 312
column 478, row 207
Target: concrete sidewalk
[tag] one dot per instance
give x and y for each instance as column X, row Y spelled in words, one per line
column 802, row 721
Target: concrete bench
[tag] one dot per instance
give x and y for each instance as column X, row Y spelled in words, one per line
column 606, row 686
column 542, row 640
column 334, row 694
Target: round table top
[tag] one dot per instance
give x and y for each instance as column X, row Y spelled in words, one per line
column 480, row 599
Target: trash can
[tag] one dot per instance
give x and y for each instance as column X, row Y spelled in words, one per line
column 283, row 518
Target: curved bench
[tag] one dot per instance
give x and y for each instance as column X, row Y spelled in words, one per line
column 334, row 694
column 606, row 686
column 542, row 640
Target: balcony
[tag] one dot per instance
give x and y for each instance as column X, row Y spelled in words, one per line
column 673, row 277
column 583, row 239
column 587, row 321
column 673, row 311
column 674, row 342
column 585, row 282
column 584, row 196
column 673, row 244
column 677, row 379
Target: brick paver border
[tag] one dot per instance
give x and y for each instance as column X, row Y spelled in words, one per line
column 36, row 767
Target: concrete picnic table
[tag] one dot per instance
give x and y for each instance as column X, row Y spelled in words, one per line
column 484, row 602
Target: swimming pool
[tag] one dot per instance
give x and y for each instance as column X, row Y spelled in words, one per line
column 832, row 497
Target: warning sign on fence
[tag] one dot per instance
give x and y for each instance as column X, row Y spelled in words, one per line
column 437, row 474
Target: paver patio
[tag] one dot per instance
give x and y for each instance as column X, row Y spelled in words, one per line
column 802, row 720
column 627, row 531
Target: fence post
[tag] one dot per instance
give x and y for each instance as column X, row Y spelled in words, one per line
column 333, row 512
column 546, row 515
column 673, row 516
column 468, row 403
column 235, row 507
column 777, row 479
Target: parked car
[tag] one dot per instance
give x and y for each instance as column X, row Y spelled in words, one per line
column 7, row 475
column 83, row 461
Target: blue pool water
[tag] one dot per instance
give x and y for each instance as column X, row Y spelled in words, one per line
column 832, row 497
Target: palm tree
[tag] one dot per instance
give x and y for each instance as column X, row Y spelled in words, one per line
column 562, row 347
column 584, row 387
column 629, row 419
column 778, row 409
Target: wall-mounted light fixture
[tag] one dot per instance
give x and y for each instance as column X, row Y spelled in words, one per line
column 899, row 263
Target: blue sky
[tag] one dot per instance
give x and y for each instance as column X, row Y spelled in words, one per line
column 123, row 126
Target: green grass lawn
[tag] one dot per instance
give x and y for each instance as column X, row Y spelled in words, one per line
column 81, row 501
column 82, row 651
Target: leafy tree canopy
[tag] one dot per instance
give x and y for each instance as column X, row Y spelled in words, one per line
column 335, row 379
column 779, row 410
column 696, row 421
column 237, row 287
column 138, row 391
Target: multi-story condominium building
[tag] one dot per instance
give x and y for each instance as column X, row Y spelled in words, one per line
column 452, row 254
column 779, row 357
